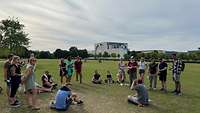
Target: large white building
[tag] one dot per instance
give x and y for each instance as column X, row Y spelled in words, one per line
column 112, row 47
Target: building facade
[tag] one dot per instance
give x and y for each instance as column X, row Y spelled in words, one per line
column 111, row 47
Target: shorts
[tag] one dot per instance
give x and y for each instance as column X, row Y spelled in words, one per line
column 63, row 74
column 163, row 77
column 141, row 71
column 176, row 77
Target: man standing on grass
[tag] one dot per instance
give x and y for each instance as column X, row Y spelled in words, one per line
column 78, row 67
column 163, row 74
column 132, row 70
column 153, row 70
column 178, row 66
column 7, row 73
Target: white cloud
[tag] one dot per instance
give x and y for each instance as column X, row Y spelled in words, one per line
column 144, row 24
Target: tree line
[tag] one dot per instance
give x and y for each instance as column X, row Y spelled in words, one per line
column 13, row 39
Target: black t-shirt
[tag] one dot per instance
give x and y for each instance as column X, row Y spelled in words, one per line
column 109, row 76
column 97, row 76
column 153, row 68
column 63, row 67
column 163, row 65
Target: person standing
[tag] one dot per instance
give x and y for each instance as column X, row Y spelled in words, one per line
column 142, row 67
column 163, row 74
column 78, row 67
column 15, row 80
column 70, row 69
column 153, row 70
column 63, row 71
column 132, row 70
column 6, row 70
column 122, row 67
column 29, row 82
column 178, row 66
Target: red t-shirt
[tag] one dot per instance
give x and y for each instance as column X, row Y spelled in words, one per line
column 133, row 65
column 78, row 66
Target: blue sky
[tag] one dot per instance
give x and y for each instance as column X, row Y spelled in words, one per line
column 143, row 24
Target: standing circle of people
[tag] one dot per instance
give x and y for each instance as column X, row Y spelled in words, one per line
column 13, row 77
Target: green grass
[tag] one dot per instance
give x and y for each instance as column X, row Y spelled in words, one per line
column 113, row 98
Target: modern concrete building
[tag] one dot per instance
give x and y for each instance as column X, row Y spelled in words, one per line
column 111, row 47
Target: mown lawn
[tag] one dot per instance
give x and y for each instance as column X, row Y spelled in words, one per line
column 113, row 98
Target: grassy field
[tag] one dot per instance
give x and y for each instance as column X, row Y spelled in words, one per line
column 113, row 98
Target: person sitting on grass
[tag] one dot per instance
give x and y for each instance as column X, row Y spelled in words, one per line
column 96, row 78
column 64, row 98
column 141, row 97
column 47, row 81
column 120, row 78
column 109, row 79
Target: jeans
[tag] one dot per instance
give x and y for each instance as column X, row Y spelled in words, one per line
column 153, row 81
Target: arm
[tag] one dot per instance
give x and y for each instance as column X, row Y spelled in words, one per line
column 5, row 69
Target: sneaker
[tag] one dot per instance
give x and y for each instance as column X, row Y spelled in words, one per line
column 174, row 91
column 154, row 88
column 17, row 101
column 80, row 102
column 15, row 104
column 162, row 89
column 178, row 93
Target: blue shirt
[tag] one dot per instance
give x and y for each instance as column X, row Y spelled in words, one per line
column 62, row 98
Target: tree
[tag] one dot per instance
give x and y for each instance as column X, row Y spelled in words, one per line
column 113, row 55
column 12, row 34
column 83, row 53
column 45, row 54
column 73, row 51
column 106, row 54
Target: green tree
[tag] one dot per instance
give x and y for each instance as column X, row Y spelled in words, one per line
column 113, row 55
column 106, row 54
column 12, row 35
column 13, row 38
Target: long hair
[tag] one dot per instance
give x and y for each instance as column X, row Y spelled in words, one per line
column 14, row 59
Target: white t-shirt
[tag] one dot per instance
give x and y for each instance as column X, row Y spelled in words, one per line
column 142, row 65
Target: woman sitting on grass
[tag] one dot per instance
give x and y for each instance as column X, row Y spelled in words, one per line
column 96, row 78
column 141, row 97
column 47, row 81
column 64, row 98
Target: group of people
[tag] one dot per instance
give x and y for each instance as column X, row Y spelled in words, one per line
column 14, row 77
column 154, row 70
column 66, row 68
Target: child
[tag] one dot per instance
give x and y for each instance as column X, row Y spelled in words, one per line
column 96, row 78
column 141, row 97
column 47, row 81
column 64, row 98
column 120, row 78
column 109, row 79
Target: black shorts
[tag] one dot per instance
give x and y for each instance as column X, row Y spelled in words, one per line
column 163, row 77
column 141, row 71
column 63, row 74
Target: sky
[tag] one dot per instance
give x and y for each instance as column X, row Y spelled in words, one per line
column 143, row 24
